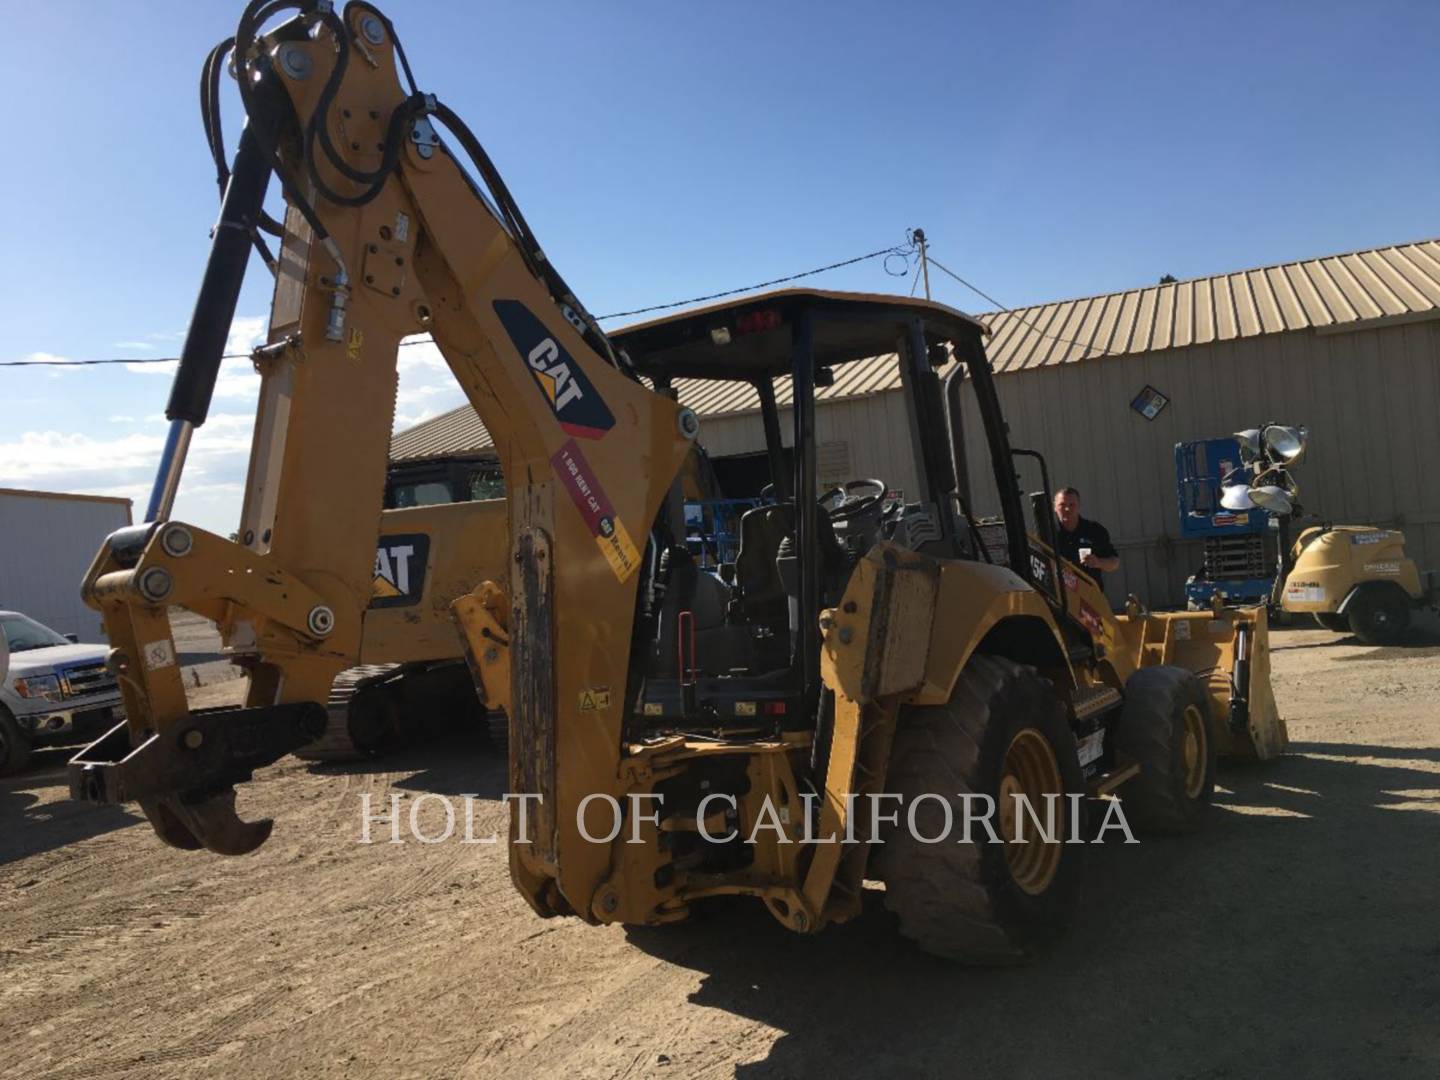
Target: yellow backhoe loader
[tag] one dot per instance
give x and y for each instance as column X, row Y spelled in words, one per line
column 683, row 734
column 435, row 542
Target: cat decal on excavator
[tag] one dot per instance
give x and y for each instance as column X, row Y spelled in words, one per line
column 573, row 398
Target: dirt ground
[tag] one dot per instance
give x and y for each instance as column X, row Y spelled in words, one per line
column 1298, row 935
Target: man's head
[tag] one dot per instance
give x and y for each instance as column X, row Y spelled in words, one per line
column 1067, row 508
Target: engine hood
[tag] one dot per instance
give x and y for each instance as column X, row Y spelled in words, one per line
column 42, row 661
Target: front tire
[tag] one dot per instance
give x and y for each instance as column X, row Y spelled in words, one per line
column 1335, row 623
column 14, row 745
column 1380, row 616
column 1165, row 726
column 1003, row 732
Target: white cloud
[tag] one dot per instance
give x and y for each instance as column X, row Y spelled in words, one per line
column 165, row 368
column 418, row 353
column 43, row 455
column 237, row 377
column 427, row 387
column 210, row 494
column 46, row 453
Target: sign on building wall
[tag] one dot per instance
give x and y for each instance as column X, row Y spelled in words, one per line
column 832, row 464
column 1149, row 402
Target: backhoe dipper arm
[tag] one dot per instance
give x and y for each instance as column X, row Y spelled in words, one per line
column 588, row 454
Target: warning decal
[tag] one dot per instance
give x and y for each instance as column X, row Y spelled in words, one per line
column 609, row 531
column 594, row 699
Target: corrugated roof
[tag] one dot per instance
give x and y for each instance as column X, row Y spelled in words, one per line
column 1324, row 293
column 455, row 432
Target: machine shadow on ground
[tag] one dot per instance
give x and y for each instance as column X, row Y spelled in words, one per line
column 456, row 761
column 30, row 825
column 1225, row 953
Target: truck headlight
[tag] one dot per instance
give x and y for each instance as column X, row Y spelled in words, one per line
column 40, row 687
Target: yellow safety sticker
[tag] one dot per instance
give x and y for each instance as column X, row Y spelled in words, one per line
column 590, row 499
column 594, row 698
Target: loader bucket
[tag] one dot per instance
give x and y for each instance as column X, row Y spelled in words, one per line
column 1229, row 650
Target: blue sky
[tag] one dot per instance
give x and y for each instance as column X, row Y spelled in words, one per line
column 665, row 150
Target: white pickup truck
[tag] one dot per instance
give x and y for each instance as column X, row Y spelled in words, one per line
column 56, row 690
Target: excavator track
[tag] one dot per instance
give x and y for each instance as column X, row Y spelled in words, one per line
column 357, row 693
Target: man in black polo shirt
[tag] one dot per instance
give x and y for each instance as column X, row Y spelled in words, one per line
column 1084, row 542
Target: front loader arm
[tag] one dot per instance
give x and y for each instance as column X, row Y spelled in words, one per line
column 588, row 453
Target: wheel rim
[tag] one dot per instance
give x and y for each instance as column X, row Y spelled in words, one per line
column 1197, row 751
column 1032, row 770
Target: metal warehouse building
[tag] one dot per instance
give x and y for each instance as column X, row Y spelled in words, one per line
column 1348, row 345
column 48, row 540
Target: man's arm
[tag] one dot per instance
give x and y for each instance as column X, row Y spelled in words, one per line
column 1103, row 556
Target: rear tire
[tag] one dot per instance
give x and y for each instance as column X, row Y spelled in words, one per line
column 1336, row 624
column 1003, row 730
column 1380, row 616
column 1165, row 726
column 14, row 745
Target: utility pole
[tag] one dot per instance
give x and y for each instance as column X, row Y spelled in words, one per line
column 919, row 235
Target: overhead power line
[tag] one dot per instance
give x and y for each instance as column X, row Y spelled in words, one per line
column 147, row 359
column 1011, row 311
column 903, row 250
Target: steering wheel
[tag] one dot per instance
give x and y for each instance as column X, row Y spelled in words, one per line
column 852, row 499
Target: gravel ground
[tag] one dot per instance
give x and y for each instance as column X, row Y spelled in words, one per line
column 1296, row 936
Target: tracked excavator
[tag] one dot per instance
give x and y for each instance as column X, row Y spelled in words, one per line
column 855, row 647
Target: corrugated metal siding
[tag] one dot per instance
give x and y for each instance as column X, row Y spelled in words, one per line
column 1369, row 397
column 49, row 543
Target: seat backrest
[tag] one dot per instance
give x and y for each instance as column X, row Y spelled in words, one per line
column 761, row 531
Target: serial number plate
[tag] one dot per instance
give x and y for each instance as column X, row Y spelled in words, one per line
column 1091, row 747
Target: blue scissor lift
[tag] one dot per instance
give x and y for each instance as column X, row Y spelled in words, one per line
column 1240, row 545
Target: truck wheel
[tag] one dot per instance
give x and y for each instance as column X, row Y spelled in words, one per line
column 1002, row 733
column 1380, row 616
column 14, row 744
column 1165, row 726
column 1337, row 624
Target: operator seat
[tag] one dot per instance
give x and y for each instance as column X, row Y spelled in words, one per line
column 762, row 530
column 762, row 593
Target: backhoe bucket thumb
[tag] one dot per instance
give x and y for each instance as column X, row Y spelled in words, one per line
column 211, row 823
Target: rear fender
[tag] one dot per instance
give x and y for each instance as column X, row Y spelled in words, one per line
column 985, row 608
column 1370, row 588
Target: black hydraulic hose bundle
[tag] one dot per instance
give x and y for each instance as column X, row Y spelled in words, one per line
column 316, row 132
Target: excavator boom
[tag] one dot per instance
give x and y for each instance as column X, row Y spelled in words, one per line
column 399, row 241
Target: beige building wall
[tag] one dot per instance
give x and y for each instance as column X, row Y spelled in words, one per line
column 1370, row 396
